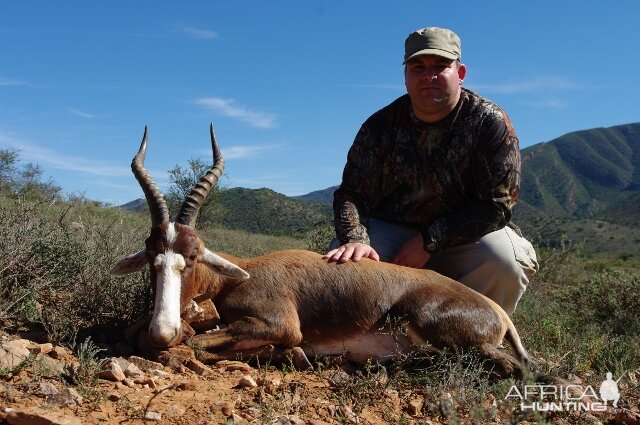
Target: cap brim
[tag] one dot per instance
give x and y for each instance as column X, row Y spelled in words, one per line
column 436, row 52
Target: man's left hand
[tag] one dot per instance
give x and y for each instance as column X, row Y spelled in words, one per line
column 412, row 253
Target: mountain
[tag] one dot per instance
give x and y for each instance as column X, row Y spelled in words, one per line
column 325, row 195
column 584, row 186
column 266, row 211
column 584, row 173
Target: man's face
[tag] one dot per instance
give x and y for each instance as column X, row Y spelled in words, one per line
column 433, row 83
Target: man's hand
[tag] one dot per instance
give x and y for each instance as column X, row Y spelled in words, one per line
column 352, row 251
column 412, row 253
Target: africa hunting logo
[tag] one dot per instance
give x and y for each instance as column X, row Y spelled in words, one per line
column 552, row 398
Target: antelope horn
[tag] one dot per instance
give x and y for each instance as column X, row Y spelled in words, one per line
column 157, row 204
column 192, row 203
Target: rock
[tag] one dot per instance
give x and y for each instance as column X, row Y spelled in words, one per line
column 236, row 419
column 198, row 367
column 14, row 352
column 68, row 397
column 40, row 348
column 290, row 420
column 59, row 353
column 247, row 382
column 159, row 373
column 337, row 377
column 47, row 389
column 349, row 415
column 233, row 365
column 112, row 371
column 144, row 364
column 35, row 417
column 152, row 416
column 132, row 371
column 175, row 411
column 186, row 386
column 415, row 406
column 146, row 380
column 271, row 386
column 209, row 317
column 224, row 407
column 192, row 312
column 446, row 404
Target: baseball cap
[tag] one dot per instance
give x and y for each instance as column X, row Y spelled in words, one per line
column 432, row 41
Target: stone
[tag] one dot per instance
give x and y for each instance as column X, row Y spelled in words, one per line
column 247, row 382
column 198, row 367
column 36, row 417
column 186, row 386
column 144, row 364
column 233, row 365
column 13, row 352
column 224, row 407
column 152, row 416
column 209, row 317
column 146, row 380
column 68, row 397
column 132, row 371
column 159, row 373
column 59, row 353
column 112, row 371
column 47, row 389
column 36, row 349
column 175, row 411
column 415, row 406
column 446, row 404
column 290, row 420
column 236, row 419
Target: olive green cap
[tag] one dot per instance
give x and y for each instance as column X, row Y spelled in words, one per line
column 433, row 41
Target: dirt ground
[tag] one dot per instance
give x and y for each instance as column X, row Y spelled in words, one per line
column 49, row 385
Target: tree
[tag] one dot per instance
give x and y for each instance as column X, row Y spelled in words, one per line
column 26, row 181
column 182, row 180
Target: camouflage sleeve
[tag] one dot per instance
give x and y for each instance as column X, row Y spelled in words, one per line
column 360, row 179
column 496, row 172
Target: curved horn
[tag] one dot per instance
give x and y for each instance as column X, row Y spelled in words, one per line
column 192, row 203
column 157, row 204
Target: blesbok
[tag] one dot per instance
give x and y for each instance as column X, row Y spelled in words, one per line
column 296, row 298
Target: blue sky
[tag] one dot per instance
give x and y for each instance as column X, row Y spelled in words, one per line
column 286, row 84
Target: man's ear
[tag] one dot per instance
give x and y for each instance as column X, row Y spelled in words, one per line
column 462, row 72
column 130, row 264
column 222, row 266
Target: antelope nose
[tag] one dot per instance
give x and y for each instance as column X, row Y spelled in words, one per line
column 163, row 338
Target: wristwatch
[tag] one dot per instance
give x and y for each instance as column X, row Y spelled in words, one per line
column 430, row 244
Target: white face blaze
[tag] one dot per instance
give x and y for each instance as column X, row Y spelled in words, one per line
column 165, row 323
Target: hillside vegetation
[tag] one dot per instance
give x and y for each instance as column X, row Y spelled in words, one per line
column 578, row 319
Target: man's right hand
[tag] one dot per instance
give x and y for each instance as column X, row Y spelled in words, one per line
column 352, row 251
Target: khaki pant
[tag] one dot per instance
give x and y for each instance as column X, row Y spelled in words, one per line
column 497, row 265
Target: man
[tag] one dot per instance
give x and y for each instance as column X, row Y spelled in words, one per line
column 431, row 180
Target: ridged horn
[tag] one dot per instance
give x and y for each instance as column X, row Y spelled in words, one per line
column 192, row 203
column 157, row 204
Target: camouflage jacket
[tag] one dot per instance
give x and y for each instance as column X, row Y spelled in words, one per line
column 454, row 180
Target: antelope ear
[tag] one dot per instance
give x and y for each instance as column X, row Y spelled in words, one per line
column 130, row 264
column 222, row 266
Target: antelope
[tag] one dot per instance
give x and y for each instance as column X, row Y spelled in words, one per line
column 296, row 298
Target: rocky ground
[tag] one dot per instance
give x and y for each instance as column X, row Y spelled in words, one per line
column 45, row 384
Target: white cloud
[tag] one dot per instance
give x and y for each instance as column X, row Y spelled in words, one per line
column 247, row 151
column 48, row 158
column 80, row 113
column 538, row 84
column 11, row 82
column 547, row 104
column 200, row 33
column 227, row 107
